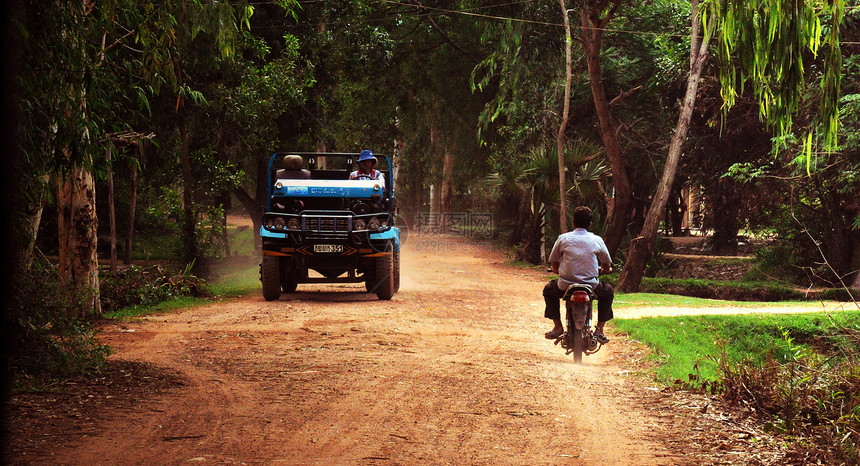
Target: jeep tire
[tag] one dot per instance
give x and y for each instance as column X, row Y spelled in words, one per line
column 384, row 277
column 370, row 277
column 270, row 276
column 396, row 258
column 288, row 277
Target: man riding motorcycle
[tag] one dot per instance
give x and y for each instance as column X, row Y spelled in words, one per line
column 579, row 256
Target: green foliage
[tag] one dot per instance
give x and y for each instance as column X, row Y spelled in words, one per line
column 177, row 303
column 807, row 392
column 688, row 342
column 798, row 372
column 717, row 289
column 766, row 44
column 236, row 276
column 147, row 286
column 48, row 343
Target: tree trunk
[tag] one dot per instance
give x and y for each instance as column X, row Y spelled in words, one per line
column 224, row 201
column 77, row 227
column 725, row 202
column 675, row 211
column 446, row 197
column 33, row 220
column 415, row 193
column 435, row 188
column 622, row 208
column 519, row 231
column 855, row 265
column 640, row 247
column 565, row 116
column 132, row 202
column 189, row 234
column 111, row 209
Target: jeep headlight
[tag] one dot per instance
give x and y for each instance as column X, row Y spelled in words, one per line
column 373, row 224
column 293, row 224
column 359, row 224
column 280, row 223
column 279, row 185
column 270, row 222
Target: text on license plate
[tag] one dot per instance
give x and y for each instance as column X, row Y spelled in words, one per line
column 328, row 248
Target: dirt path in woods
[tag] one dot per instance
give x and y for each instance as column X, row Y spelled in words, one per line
column 453, row 370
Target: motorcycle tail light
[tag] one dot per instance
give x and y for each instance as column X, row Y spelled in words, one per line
column 580, row 297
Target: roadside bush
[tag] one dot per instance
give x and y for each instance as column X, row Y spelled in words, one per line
column 135, row 285
column 812, row 396
column 48, row 342
column 716, row 289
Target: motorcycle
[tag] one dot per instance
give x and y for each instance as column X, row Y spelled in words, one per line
column 578, row 337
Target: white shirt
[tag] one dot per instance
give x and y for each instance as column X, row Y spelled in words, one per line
column 373, row 175
column 580, row 254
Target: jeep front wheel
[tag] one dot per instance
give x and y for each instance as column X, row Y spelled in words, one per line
column 288, row 277
column 385, row 275
column 396, row 259
column 270, row 276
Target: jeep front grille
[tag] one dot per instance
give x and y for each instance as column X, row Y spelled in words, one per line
column 327, row 226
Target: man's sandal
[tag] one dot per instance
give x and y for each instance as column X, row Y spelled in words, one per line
column 553, row 335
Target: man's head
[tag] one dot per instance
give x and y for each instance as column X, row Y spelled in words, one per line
column 582, row 217
column 366, row 160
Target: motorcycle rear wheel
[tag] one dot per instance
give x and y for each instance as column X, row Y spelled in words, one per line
column 577, row 344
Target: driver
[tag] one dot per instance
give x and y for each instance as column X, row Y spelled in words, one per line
column 579, row 257
column 366, row 162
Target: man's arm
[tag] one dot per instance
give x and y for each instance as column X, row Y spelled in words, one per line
column 555, row 256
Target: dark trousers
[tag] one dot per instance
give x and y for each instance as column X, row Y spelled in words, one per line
column 603, row 291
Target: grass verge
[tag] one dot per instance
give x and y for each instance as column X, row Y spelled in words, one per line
column 798, row 373
column 685, row 345
column 233, row 276
column 163, row 306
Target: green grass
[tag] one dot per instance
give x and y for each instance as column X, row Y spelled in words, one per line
column 241, row 242
column 169, row 305
column 623, row 300
column 149, row 245
column 681, row 344
column 235, row 276
column 239, row 277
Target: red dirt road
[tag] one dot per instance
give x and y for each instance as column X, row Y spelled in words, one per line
column 453, row 370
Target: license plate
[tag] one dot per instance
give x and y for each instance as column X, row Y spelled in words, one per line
column 328, row 248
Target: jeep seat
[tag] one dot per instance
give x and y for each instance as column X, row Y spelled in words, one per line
column 293, row 169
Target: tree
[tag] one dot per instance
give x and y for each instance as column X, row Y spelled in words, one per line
column 640, row 247
column 59, row 135
column 565, row 115
column 763, row 43
column 769, row 37
column 594, row 17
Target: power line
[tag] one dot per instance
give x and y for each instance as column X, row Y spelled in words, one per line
column 479, row 15
column 472, row 12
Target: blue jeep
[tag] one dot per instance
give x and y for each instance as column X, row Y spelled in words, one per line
column 317, row 219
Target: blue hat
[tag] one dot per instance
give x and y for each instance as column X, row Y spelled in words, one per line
column 367, row 155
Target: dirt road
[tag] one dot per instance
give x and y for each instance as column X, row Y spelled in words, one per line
column 453, row 370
